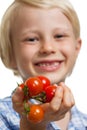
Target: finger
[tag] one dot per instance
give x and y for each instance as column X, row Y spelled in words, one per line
column 18, row 95
column 68, row 99
column 57, row 99
column 17, row 99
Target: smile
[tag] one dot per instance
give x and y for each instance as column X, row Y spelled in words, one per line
column 49, row 65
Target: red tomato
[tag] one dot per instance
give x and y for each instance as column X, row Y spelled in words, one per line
column 36, row 114
column 21, row 85
column 34, row 85
column 50, row 92
column 45, row 81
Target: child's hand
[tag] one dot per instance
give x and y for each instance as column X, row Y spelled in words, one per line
column 55, row 110
column 61, row 103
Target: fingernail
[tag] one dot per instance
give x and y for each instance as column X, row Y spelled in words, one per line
column 60, row 89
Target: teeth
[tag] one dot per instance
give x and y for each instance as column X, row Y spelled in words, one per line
column 49, row 64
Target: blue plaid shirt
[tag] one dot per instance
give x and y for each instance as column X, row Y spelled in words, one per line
column 9, row 119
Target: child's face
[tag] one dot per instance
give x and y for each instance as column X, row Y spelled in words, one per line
column 44, row 44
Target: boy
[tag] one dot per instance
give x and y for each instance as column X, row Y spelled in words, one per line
column 41, row 38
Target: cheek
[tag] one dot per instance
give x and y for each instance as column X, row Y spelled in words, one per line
column 25, row 54
column 69, row 50
column 71, row 56
column 23, row 62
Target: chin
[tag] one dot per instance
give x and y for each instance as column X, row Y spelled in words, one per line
column 55, row 79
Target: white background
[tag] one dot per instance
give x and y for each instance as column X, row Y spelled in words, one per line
column 77, row 82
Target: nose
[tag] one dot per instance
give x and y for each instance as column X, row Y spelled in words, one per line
column 47, row 48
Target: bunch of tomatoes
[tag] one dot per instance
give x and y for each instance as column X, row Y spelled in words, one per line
column 38, row 88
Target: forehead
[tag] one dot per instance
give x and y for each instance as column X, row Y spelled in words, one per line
column 28, row 15
column 27, row 10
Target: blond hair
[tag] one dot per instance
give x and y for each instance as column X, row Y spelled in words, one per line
column 6, row 50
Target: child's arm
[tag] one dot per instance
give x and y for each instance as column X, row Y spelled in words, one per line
column 55, row 110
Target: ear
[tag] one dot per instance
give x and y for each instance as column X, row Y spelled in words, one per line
column 78, row 45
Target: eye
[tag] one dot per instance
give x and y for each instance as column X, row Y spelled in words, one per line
column 31, row 39
column 58, row 36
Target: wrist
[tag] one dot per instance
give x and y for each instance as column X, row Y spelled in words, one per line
column 26, row 125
